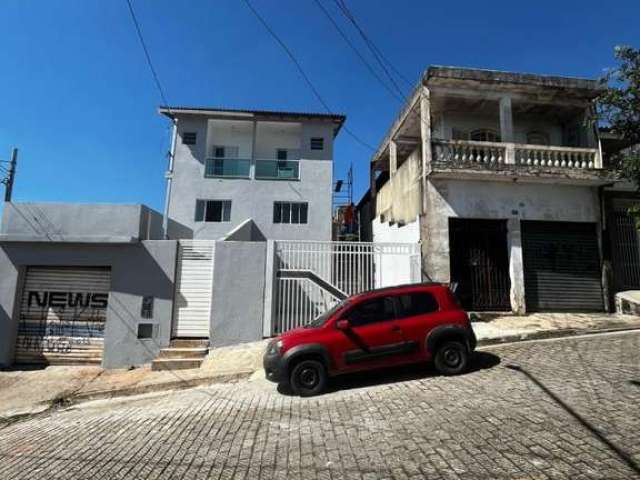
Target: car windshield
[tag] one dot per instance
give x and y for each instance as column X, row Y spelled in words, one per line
column 319, row 320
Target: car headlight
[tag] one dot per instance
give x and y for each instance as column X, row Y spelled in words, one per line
column 274, row 347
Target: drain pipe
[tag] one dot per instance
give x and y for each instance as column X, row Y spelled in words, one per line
column 169, row 176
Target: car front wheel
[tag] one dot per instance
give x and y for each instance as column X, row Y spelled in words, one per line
column 452, row 358
column 308, row 378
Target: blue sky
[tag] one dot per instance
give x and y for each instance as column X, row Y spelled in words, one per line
column 78, row 99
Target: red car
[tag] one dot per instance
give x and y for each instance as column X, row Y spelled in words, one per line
column 381, row 328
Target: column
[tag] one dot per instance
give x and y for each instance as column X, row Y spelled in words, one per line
column 506, row 119
column 425, row 136
column 516, row 266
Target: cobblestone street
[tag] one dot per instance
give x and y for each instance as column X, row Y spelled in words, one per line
column 553, row 409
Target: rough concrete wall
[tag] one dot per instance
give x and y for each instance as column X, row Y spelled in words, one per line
column 238, row 292
column 137, row 270
column 497, row 200
column 251, row 198
column 9, row 285
column 70, row 221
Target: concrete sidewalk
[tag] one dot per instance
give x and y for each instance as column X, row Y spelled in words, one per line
column 29, row 392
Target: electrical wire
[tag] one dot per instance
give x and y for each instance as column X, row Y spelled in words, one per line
column 364, row 61
column 147, row 55
column 304, row 75
column 342, row 6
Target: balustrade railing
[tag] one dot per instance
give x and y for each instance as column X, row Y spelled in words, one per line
column 540, row 156
column 491, row 153
column 458, row 151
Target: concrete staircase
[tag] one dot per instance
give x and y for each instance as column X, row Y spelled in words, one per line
column 182, row 354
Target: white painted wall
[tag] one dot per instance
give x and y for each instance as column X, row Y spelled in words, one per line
column 252, row 198
column 396, row 269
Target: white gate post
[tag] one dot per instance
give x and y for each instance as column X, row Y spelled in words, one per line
column 269, row 289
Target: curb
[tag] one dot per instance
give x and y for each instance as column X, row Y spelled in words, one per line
column 561, row 333
column 76, row 398
column 158, row 387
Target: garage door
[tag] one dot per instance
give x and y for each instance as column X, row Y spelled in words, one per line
column 62, row 315
column 561, row 266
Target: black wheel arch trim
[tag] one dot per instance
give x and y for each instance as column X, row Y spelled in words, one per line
column 304, row 350
column 444, row 331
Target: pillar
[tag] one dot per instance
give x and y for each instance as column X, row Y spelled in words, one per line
column 516, row 266
column 506, row 120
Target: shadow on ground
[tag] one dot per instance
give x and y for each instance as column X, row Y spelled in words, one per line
column 480, row 361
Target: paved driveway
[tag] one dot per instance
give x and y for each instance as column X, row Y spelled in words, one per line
column 570, row 409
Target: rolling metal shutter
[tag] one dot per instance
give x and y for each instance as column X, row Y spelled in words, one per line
column 62, row 315
column 194, row 287
column 561, row 266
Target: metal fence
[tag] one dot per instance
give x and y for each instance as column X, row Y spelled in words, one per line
column 307, row 277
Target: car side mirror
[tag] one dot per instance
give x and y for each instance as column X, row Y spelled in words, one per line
column 343, row 324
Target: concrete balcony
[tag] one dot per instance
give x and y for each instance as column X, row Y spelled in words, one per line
column 513, row 161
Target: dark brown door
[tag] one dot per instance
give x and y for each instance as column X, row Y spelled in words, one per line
column 480, row 263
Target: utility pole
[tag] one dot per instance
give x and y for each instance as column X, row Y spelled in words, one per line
column 11, row 176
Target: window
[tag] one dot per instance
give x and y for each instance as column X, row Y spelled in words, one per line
column 290, row 212
column 485, row 135
column 537, row 138
column 317, row 143
column 281, row 154
column 418, row 303
column 189, row 138
column 221, row 151
column 372, row 311
column 213, row 210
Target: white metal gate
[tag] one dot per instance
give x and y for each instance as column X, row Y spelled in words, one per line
column 309, row 277
column 62, row 315
column 194, row 284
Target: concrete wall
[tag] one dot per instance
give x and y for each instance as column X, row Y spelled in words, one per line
column 468, row 122
column 74, row 222
column 137, row 270
column 238, row 292
column 252, row 198
column 497, row 200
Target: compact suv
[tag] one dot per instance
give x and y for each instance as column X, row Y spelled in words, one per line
column 376, row 329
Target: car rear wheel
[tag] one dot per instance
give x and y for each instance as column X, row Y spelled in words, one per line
column 452, row 358
column 308, row 378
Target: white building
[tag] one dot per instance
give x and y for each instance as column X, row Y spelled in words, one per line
column 500, row 177
column 258, row 174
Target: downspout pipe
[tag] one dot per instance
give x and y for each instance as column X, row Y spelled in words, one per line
column 169, row 177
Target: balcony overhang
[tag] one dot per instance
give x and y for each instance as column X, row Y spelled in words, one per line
column 523, row 174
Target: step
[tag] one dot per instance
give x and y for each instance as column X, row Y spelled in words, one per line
column 189, row 343
column 183, row 352
column 176, row 363
column 628, row 302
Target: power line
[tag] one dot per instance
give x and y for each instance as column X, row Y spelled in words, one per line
column 147, row 55
column 306, row 78
column 357, row 52
column 375, row 50
column 372, row 48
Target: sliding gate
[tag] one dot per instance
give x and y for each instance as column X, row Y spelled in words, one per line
column 307, row 278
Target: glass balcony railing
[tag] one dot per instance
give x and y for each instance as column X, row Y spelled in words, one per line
column 277, row 170
column 228, row 167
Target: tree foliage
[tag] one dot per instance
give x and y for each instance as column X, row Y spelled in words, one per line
column 619, row 108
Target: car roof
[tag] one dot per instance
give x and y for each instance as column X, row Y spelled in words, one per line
column 398, row 289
